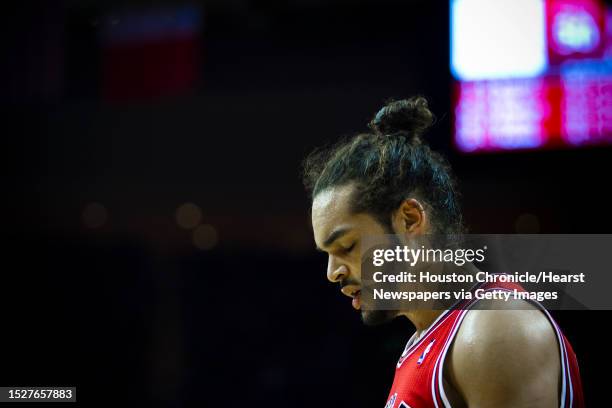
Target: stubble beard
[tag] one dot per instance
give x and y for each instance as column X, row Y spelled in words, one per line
column 377, row 317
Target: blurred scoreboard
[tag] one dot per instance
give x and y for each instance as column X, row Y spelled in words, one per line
column 150, row 52
column 531, row 74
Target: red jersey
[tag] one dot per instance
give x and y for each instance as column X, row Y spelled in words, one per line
column 418, row 381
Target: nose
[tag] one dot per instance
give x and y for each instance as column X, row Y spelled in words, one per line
column 336, row 272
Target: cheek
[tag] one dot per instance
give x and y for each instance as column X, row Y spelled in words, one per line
column 355, row 266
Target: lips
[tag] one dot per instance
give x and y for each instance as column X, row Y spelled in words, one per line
column 354, row 292
column 357, row 300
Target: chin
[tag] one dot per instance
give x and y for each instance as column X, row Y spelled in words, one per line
column 376, row 317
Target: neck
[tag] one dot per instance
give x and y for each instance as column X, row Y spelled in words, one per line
column 423, row 318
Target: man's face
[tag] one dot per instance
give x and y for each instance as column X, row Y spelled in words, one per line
column 338, row 232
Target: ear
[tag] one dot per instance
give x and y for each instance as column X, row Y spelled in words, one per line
column 410, row 217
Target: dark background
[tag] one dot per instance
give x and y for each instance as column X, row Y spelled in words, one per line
column 131, row 309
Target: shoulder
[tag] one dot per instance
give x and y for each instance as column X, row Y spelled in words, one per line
column 505, row 353
column 506, row 326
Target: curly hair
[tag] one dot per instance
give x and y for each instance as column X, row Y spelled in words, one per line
column 389, row 164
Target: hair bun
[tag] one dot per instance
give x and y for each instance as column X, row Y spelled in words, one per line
column 406, row 115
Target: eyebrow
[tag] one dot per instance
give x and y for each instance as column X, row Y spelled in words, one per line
column 340, row 232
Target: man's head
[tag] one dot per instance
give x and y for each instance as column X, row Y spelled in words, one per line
column 386, row 181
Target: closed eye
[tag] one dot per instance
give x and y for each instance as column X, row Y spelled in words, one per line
column 350, row 248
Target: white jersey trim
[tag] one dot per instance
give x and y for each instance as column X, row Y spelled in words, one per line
column 410, row 348
column 438, row 368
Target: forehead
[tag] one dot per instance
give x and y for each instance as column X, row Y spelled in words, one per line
column 331, row 209
column 332, row 204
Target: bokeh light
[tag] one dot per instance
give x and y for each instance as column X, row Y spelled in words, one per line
column 188, row 216
column 205, row 237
